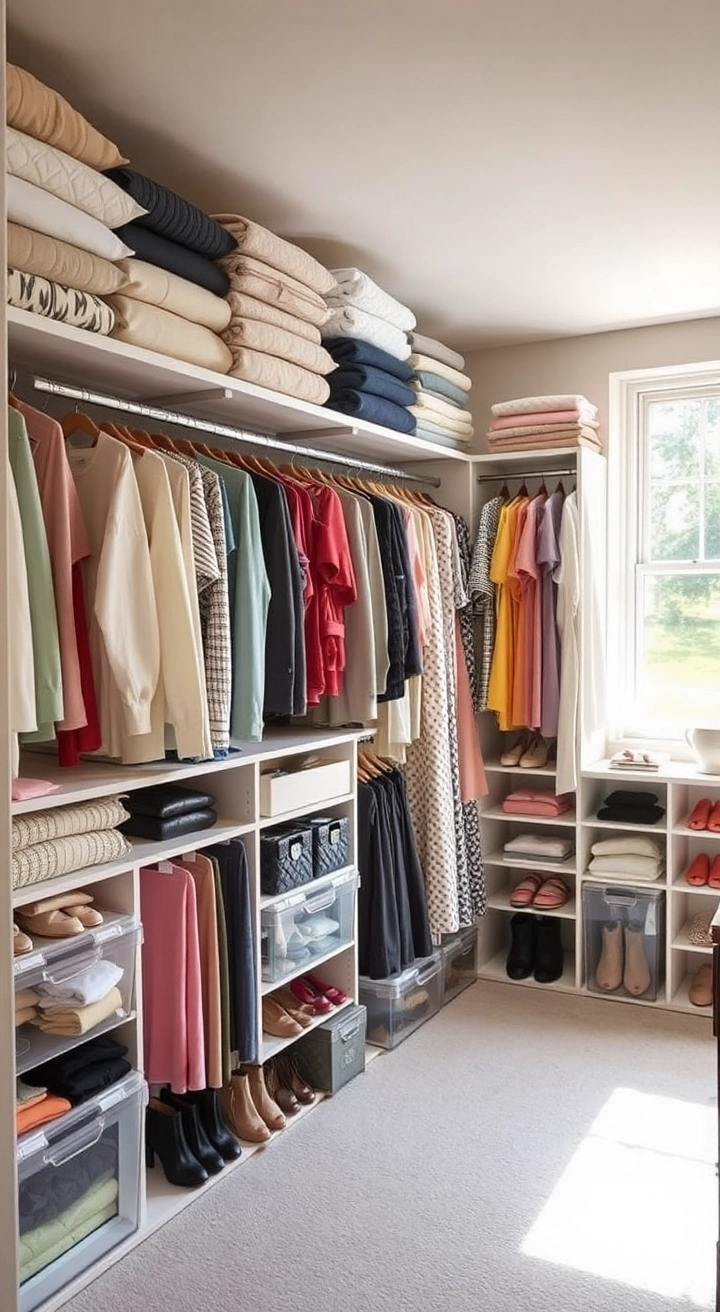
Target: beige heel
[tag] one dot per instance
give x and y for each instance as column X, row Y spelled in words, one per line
column 637, row 975
column 609, row 973
column 240, row 1111
column 265, row 1106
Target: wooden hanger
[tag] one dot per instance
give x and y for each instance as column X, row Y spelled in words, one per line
column 163, row 442
column 79, row 422
column 122, row 434
column 145, row 439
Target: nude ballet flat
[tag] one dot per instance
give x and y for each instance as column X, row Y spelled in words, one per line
column 609, row 973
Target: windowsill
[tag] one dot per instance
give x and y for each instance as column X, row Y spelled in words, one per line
column 670, row 772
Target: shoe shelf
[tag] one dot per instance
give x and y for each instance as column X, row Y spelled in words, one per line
column 567, row 820
column 680, row 998
column 682, row 942
column 679, row 885
column 707, row 835
column 501, row 902
column 496, row 767
column 271, row 1046
column 306, row 968
column 494, row 969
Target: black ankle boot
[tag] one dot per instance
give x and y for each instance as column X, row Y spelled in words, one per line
column 521, row 957
column 211, row 1119
column 198, row 1141
column 165, row 1136
column 549, row 953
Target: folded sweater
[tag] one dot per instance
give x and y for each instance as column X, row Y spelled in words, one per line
column 349, row 322
column 357, row 289
column 373, row 409
column 252, row 239
column 170, row 255
column 363, row 378
column 71, row 1021
column 423, row 363
column 278, row 375
column 645, row 866
column 255, row 278
column 436, row 405
column 542, row 846
column 536, row 801
column 258, row 336
column 436, row 351
column 627, row 845
column 436, row 385
column 528, row 404
column 353, row 350
column 249, row 307
column 172, row 216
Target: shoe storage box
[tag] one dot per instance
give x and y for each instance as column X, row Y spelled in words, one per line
column 79, row 1188
column 307, row 924
column 334, row 1053
column 398, row 1005
column 60, row 961
column 459, row 954
column 331, row 844
column 624, row 939
column 286, row 859
column 288, row 790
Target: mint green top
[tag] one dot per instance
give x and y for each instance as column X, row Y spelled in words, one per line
column 249, row 597
column 43, row 615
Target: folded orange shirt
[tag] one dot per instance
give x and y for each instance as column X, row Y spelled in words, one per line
column 45, row 1109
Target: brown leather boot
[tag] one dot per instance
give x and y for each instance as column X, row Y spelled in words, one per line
column 266, row 1107
column 240, row 1111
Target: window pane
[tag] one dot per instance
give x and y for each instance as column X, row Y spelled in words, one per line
column 712, row 439
column 678, row 673
column 674, row 521
column 674, row 437
column 712, row 521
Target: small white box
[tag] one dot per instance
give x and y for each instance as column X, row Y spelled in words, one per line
column 288, row 790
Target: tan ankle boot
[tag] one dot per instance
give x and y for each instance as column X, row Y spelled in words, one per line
column 637, row 971
column 609, row 973
column 266, row 1107
column 242, row 1115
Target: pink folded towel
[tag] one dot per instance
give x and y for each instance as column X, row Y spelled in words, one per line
column 25, row 789
column 544, row 417
column 537, row 801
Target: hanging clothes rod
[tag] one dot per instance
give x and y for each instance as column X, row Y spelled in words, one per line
column 525, row 473
column 222, row 430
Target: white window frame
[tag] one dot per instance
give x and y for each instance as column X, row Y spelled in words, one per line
column 630, row 392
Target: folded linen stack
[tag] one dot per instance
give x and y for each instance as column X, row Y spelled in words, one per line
column 82, row 1002
column 63, row 213
column 544, row 423
column 83, row 1072
column 628, row 857
column 168, row 811
column 26, row 1001
column 441, row 392
column 36, row 1106
column 361, row 311
column 47, row 844
column 173, row 301
column 275, row 293
column 537, row 801
column 538, row 847
column 626, row 806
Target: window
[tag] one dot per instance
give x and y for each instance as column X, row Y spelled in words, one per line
column 664, row 537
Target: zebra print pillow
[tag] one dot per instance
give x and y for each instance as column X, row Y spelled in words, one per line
column 28, row 291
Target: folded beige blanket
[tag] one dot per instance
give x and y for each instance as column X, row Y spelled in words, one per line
column 585, row 437
column 278, row 375
column 253, row 278
column 530, row 430
column 58, row 261
column 275, row 341
column 155, row 286
column 424, row 364
column 168, row 334
column 71, row 1021
column 435, row 405
column 529, row 404
column 429, row 419
column 285, row 256
column 248, row 307
column 41, row 112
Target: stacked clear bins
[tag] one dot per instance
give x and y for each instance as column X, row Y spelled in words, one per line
column 79, row 1189
column 398, row 1005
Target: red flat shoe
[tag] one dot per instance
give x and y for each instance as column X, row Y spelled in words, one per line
column 698, row 871
column 713, row 823
column 714, row 876
column 700, row 814
column 311, row 997
column 336, row 996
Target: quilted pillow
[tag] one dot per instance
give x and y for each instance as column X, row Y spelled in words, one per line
column 34, row 252
column 159, row 330
column 40, row 296
column 34, row 208
column 69, row 178
column 155, row 286
column 41, row 112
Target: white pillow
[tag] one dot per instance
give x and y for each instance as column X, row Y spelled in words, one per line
column 34, row 208
column 47, row 167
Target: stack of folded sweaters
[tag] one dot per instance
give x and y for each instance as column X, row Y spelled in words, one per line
column 630, row 806
column 538, row 847
column 543, row 423
column 174, row 297
column 627, row 857
column 75, row 1006
column 537, row 801
column 47, row 844
column 35, row 1105
column 63, row 247
column 275, row 294
column 82, row 1072
column 441, row 392
column 372, row 376
column 168, row 811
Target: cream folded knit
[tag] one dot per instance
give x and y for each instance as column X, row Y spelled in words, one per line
column 258, row 336
column 628, row 845
column 424, row 364
column 285, row 256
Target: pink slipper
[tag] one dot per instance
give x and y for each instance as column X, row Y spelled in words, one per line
column 700, row 814
column 553, row 894
column 698, row 871
column 524, row 894
column 713, row 823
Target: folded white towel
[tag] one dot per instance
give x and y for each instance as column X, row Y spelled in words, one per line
column 80, row 990
column 628, row 845
column 358, row 289
column 349, row 322
column 637, row 867
column 527, row 405
column 540, row 845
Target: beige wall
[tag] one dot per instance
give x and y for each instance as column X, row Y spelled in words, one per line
column 582, row 364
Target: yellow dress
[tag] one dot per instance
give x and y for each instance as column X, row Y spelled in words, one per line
column 502, row 667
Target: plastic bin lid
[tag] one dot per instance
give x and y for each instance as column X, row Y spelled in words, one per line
column 395, row 985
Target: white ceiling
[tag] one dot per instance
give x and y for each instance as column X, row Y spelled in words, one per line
column 512, row 169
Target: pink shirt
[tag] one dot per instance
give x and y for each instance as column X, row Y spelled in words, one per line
column 526, row 566
column 67, row 544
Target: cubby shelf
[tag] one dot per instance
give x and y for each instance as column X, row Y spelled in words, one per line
column 567, row 819
column 495, row 970
column 546, row 867
column 501, row 902
column 272, row 1046
column 495, row 767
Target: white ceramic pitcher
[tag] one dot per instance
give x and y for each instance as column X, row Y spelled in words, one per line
column 706, row 746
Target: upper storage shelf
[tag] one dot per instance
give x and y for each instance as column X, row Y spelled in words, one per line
column 83, row 359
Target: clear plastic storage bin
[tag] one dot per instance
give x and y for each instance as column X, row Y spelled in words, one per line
column 63, row 967
column 624, row 931
column 396, row 1006
column 307, row 924
column 459, row 954
column 79, row 1188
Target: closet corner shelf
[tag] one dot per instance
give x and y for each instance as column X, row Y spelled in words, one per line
column 681, row 942
column 84, row 359
column 270, row 986
column 310, row 808
column 547, row 867
column 501, row 902
column 541, row 460
column 494, row 969
column 680, row 885
column 271, row 1046
column 494, row 767
column 567, row 819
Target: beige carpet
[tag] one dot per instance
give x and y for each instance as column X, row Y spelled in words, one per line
column 523, row 1150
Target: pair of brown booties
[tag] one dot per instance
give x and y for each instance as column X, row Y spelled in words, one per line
column 257, row 1100
column 623, row 960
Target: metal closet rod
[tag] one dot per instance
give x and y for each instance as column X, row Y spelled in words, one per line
column 526, row 473
column 222, row 430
